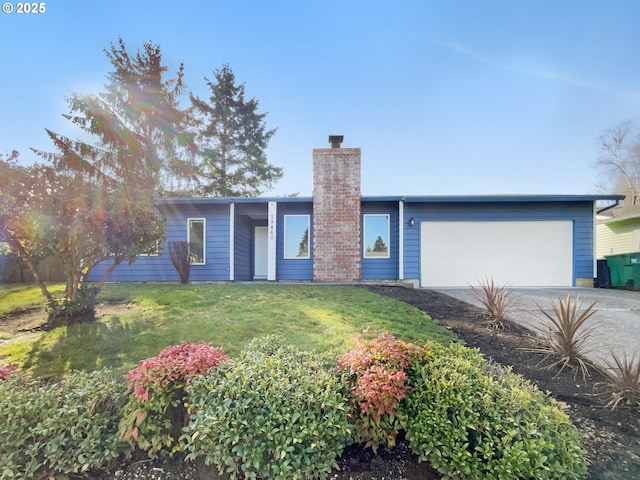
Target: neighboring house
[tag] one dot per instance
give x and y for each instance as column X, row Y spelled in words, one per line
column 618, row 231
column 340, row 236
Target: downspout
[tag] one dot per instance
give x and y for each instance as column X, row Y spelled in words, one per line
column 595, row 236
column 401, row 240
column 594, row 272
column 232, row 254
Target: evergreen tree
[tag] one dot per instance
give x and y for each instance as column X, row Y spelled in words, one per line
column 232, row 138
column 303, row 249
column 379, row 245
column 137, row 130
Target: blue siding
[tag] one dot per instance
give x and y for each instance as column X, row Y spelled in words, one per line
column 293, row 268
column 160, row 269
column 243, row 248
column 144, row 269
column 381, row 268
column 248, row 216
column 252, row 212
column 581, row 213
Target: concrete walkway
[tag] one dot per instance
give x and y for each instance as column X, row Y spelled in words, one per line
column 617, row 318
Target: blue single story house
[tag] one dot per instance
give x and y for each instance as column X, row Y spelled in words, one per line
column 337, row 235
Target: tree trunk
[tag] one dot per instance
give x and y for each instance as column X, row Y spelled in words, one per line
column 78, row 304
column 116, row 261
column 38, row 279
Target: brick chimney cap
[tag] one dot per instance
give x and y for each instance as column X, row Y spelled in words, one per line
column 336, row 140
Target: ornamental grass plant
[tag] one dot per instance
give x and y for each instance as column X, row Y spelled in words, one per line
column 623, row 380
column 498, row 301
column 564, row 338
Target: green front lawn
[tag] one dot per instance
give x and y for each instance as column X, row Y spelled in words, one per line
column 19, row 297
column 311, row 317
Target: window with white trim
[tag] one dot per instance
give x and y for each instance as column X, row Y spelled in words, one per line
column 196, row 236
column 296, row 236
column 376, row 236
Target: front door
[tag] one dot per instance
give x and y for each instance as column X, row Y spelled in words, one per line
column 260, row 253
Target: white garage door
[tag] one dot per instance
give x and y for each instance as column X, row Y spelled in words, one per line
column 522, row 254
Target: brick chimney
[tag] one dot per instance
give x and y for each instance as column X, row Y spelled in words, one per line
column 336, row 213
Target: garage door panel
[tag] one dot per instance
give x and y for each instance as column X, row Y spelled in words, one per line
column 517, row 253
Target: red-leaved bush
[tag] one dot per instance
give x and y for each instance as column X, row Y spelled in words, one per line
column 156, row 411
column 8, row 369
column 379, row 383
column 174, row 366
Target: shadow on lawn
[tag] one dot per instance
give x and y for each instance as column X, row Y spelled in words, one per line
column 86, row 346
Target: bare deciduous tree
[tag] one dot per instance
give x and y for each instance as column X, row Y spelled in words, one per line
column 620, row 160
column 180, row 253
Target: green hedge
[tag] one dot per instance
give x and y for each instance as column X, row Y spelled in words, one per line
column 280, row 413
column 473, row 423
column 67, row 427
column 276, row 413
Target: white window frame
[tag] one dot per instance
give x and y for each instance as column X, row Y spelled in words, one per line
column 364, row 236
column 204, row 237
column 284, row 243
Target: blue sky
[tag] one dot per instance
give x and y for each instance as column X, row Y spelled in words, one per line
column 443, row 97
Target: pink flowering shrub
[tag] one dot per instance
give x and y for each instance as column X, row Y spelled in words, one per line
column 156, row 412
column 378, row 384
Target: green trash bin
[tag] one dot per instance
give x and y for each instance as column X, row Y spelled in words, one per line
column 625, row 270
column 616, row 268
column 633, row 271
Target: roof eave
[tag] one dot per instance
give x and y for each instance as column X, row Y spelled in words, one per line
column 398, row 198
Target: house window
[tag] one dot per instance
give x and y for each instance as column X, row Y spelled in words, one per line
column 296, row 236
column 197, row 240
column 376, row 236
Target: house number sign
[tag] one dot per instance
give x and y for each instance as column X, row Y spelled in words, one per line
column 272, row 226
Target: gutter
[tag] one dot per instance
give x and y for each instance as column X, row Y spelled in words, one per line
column 608, row 207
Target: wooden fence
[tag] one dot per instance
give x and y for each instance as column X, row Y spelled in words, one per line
column 13, row 270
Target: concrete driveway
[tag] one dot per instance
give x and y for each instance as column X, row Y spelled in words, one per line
column 617, row 318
